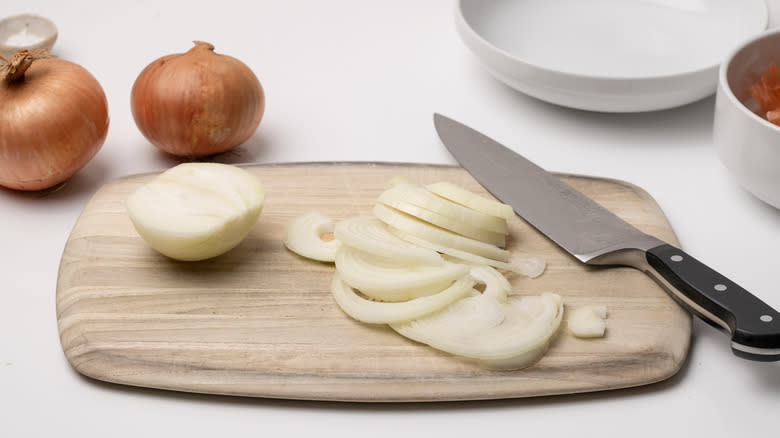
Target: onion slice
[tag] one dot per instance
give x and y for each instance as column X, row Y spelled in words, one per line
column 421, row 197
column 370, row 235
column 530, row 266
column 433, row 217
column 413, row 226
column 373, row 312
column 509, row 335
column 303, row 236
column 386, row 280
column 471, row 200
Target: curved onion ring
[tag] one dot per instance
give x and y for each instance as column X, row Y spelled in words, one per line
column 303, row 236
column 370, row 235
column 375, row 312
column 500, row 335
column 384, row 280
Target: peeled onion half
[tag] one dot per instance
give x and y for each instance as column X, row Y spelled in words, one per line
column 196, row 211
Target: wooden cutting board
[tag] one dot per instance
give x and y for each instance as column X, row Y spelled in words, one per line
column 260, row 321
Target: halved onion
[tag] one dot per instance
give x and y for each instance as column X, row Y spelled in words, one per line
column 509, row 335
column 471, row 200
column 370, row 235
column 409, row 224
column 387, row 280
column 303, row 236
column 374, row 312
column 195, row 211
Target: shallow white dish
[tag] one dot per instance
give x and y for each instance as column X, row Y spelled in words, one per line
column 608, row 55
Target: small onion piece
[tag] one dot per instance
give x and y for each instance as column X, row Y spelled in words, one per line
column 588, row 321
column 53, row 120
column 374, row 312
column 197, row 103
column 303, row 236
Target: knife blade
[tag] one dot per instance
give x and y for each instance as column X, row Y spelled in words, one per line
column 594, row 235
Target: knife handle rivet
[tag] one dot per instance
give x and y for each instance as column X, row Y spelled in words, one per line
column 720, row 287
column 766, row 318
column 676, row 258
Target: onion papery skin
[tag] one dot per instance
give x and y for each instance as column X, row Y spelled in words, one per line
column 53, row 121
column 198, row 103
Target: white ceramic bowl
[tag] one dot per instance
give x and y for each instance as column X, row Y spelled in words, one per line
column 608, row 55
column 26, row 31
column 748, row 144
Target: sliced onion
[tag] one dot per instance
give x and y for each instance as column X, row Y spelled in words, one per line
column 434, row 218
column 421, row 197
column 530, row 266
column 471, row 200
column 303, row 236
column 370, row 235
column 500, row 335
column 409, row 224
column 496, row 285
column 373, row 312
column 386, row 280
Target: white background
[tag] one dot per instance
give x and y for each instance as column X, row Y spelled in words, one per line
column 352, row 80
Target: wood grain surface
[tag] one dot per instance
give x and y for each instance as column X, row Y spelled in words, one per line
column 260, row 321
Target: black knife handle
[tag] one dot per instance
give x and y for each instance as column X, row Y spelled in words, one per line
column 753, row 324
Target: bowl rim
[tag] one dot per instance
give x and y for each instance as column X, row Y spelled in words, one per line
column 52, row 31
column 724, row 83
column 476, row 36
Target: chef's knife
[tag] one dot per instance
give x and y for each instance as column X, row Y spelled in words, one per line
column 595, row 235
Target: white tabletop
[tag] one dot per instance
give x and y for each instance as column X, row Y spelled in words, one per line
column 352, row 80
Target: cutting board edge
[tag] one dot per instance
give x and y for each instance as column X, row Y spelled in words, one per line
column 426, row 392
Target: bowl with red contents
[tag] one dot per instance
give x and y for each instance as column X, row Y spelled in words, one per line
column 746, row 128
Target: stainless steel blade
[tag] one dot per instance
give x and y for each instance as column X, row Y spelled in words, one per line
column 572, row 220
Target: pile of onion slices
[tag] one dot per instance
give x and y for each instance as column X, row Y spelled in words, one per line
column 427, row 264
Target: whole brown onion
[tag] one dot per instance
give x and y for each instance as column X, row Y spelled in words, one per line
column 53, row 120
column 197, row 103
